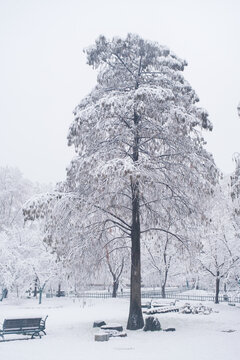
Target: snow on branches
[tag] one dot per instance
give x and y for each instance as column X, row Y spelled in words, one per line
column 141, row 94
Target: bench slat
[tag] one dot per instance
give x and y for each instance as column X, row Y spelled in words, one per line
column 20, row 323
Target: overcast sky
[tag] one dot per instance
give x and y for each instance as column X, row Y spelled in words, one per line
column 43, row 74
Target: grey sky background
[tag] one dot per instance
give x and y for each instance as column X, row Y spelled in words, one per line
column 43, row 74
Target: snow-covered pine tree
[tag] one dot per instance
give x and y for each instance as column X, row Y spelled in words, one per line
column 139, row 152
column 138, row 144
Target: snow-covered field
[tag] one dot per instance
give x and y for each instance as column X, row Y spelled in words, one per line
column 70, row 333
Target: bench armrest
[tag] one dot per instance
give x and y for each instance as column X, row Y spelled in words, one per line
column 43, row 321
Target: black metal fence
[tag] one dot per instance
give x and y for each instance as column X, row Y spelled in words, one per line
column 177, row 296
column 157, row 295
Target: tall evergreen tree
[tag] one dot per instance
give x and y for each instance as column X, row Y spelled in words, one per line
column 139, row 150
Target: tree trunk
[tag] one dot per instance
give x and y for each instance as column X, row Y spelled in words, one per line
column 35, row 288
column 166, row 267
column 4, row 294
column 197, row 284
column 163, row 292
column 40, row 295
column 135, row 319
column 217, row 289
column 115, row 288
column 59, row 290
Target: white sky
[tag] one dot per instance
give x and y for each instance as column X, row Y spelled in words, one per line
column 43, row 74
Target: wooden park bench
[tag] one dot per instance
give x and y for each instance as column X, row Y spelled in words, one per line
column 161, row 310
column 158, row 303
column 23, row 326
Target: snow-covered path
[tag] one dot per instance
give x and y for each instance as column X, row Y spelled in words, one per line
column 70, row 334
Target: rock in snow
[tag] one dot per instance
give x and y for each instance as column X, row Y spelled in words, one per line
column 152, row 324
column 101, row 337
column 99, row 323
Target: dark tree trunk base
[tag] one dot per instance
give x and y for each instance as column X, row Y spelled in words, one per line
column 135, row 319
column 217, row 291
column 115, row 289
column 163, row 292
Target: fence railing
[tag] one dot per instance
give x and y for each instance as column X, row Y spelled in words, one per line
column 177, row 296
column 157, row 295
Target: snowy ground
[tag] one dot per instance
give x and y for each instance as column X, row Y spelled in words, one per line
column 70, row 334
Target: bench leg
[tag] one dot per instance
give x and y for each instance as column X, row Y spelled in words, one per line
column 35, row 334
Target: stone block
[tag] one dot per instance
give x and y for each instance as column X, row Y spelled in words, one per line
column 101, row 337
column 117, row 327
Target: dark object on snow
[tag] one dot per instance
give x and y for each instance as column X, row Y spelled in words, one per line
column 230, row 304
column 152, row 324
column 229, row 331
column 169, row 329
column 99, row 323
column 101, row 337
column 112, row 327
column 28, row 326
